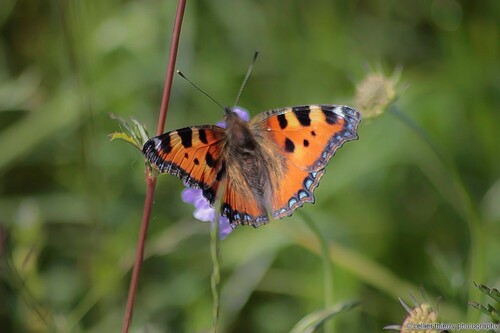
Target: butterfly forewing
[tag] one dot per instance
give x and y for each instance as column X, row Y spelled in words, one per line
column 194, row 154
column 309, row 135
column 306, row 137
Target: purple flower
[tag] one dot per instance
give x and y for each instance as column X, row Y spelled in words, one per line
column 202, row 209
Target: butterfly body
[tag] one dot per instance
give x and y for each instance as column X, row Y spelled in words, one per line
column 268, row 166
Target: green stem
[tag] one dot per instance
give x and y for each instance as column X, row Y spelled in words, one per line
column 464, row 206
column 215, row 278
column 367, row 270
column 14, row 279
column 327, row 267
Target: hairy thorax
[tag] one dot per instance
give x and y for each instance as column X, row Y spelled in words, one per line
column 248, row 160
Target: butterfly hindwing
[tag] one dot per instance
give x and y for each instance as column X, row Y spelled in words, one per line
column 247, row 178
column 295, row 190
column 194, row 154
column 241, row 206
column 306, row 137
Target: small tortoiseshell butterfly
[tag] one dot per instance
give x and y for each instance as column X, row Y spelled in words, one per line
column 270, row 165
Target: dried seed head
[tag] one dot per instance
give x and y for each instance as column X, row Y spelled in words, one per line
column 376, row 92
column 421, row 318
column 421, row 314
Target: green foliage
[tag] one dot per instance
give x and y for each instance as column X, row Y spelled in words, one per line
column 413, row 202
column 493, row 311
column 311, row 322
column 133, row 132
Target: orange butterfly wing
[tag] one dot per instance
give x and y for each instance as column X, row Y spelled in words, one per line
column 241, row 206
column 307, row 137
column 194, row 154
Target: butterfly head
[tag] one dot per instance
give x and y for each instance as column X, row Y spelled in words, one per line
column 229, row 112
column 235, row 114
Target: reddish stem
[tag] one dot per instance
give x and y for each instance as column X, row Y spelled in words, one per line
column 151, row 181
column 148, row 203
column 174, row 45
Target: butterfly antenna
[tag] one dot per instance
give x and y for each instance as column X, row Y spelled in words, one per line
column 199, row 89
column 255, row 55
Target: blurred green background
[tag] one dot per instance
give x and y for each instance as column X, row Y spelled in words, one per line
column 400, row 212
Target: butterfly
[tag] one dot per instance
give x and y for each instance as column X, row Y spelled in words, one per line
column 268, row 166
